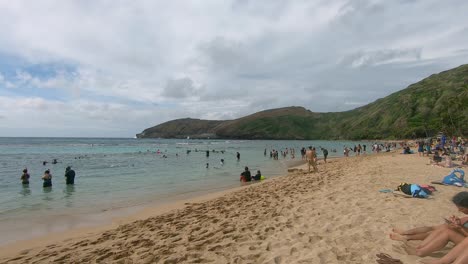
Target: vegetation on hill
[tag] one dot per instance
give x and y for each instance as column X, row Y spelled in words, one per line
column 437, row 103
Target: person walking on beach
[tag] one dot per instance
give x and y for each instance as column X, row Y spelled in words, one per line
column 325, row 154
column 421, row 148
column 69, row 176
column 47, row 177
column 311, row 156
column 25, row 177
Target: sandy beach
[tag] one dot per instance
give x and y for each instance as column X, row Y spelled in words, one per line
column 336, row 215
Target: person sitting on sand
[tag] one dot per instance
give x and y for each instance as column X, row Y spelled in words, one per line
column 436, row 237
column 457, row 255
column 436, row 158
column 448, row 162
column 47, row 179
column 407, row 150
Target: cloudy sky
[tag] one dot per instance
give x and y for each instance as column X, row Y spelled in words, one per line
column 112, row 68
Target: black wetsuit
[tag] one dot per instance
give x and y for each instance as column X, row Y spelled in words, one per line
column 70, row 177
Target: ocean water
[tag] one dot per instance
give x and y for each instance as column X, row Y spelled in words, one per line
column 115, row 174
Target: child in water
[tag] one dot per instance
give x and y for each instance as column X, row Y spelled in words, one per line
column 258, row 176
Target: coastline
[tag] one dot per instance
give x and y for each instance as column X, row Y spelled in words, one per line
column 337, row 215
column 73, row 226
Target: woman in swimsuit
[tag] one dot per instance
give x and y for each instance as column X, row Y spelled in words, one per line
column 47, row 179
column 436, row 237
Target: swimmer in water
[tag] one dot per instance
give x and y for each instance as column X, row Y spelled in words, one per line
column 25, row 177
column 47, row 177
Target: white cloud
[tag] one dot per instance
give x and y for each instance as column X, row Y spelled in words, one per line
column 216, row 59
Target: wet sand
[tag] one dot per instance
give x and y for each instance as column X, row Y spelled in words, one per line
column 335, row 216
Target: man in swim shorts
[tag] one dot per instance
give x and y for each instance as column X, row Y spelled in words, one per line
column 311, row 159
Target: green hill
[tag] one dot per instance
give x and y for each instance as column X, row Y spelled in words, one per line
column 437, row 103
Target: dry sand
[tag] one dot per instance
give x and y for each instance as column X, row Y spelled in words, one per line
column 335, row 216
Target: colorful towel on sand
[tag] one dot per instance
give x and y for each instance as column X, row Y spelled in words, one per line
column 415, row 190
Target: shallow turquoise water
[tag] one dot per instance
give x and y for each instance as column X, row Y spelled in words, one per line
column 119, row 173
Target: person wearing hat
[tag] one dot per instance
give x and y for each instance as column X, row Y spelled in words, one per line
column 69, row 175
column 25, row 177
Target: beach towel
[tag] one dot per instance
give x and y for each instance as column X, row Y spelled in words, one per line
column 415, row 190
column 453, row 179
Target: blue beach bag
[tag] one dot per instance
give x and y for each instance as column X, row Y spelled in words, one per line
column 453, row 179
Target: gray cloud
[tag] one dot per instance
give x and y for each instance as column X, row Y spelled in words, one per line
column 179, row 88
column 373, row 58
column 214, row 59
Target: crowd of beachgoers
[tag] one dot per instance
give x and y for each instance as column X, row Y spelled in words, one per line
column 326, row 211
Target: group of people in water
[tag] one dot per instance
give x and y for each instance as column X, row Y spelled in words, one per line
column 47, row 177
column 246, row 176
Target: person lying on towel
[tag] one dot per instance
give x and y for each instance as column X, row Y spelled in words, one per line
column 415, row 190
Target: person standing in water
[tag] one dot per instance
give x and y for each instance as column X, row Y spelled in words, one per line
column 25, row 177
column 238, row 156
column 47, row 177
column 69, row 175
